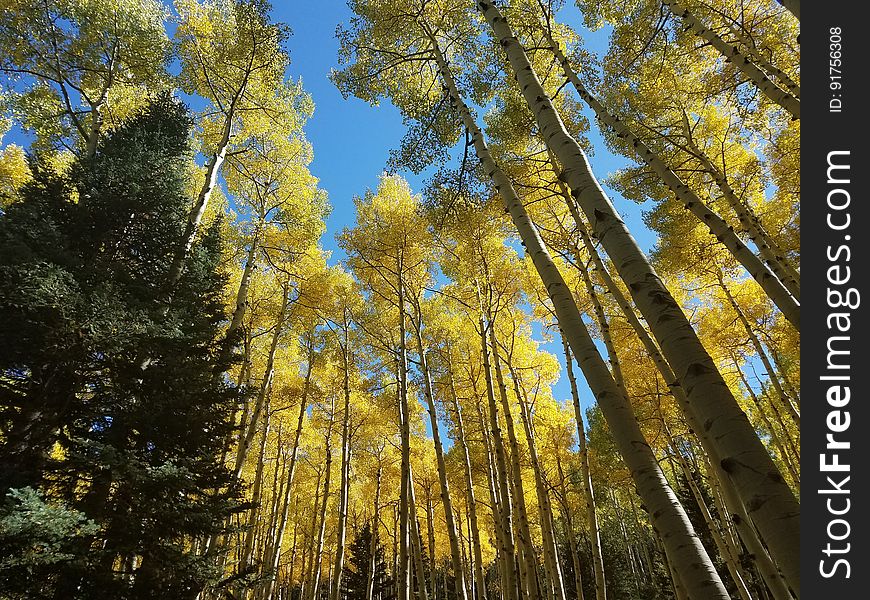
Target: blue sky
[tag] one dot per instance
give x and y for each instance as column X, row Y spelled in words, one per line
column 352, row 139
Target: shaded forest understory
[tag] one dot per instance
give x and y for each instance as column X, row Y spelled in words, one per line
column 496, row 394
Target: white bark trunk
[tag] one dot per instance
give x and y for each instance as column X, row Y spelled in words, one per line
column 740, row 60
column 775, row 289
column 768, row 498
column 665, row 511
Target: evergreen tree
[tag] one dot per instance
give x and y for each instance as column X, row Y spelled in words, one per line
column 366, row 553
column 112, row 418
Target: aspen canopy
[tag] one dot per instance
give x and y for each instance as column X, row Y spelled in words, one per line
column 546, row 348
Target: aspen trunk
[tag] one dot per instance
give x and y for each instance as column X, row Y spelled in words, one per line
column 471, row 502
column 308, row 557
column 430, row 532
column 551, row 552
column 446, row 501
column 416, row 540
column 572, row 548
column 241, row 303
column 278, row 479
column 766, row 279
column 501, row 475
column 256, row 493
column 529, row 563
column 772, row 375
column 345, row 474
column 601, row 317
column 626, row 544
column 250, row 431
column 786, row 448
column 318, row 554
column 740, row 60
column 290, row 575
column 665, row 510
column 588, row 490
column 96, row 127
column 767, row 248
column 505, row 561
column 771, row 575
column 763, row 63
column 194, row 219
column 404, row 579
column 769, row 572
column 734, row 569
column 760, row 485
column 370, row 584
column 273, row 558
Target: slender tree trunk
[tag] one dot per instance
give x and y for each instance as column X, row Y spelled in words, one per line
column 273, row 558
column 766, row 279
column 95, row 129
column 603, row 322
column 572, row 537
column 770, row 573
column 256, row 494
column 742, row 62
column 772, row 375
column 773, row 256
column 416, row 541
column 194, row 219
column 734, row 568
column 762, row 62
column 278, row 480
column 290, row 575
column 249, row 431
column 529, row 560
column 786, row 448
column 501, row 472
column 665, row 510
column 241, row 303
column 759, row 483
column 430, row 532
column 373, row 547
column 507, row 572
column 446, row 501
column 471, row 502
column 308, row 557
column 318, row 555
column 748, row 535
column 345, row 473
column 588, row 490
column 404, row 579
column 551, row 551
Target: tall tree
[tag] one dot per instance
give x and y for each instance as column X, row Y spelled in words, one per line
column 89, row 250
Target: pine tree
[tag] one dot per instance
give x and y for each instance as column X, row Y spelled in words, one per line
column 133, row 450
column 364, row 552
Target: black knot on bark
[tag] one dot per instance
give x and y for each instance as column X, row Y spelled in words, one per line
column 728, row 465
column 775, row 476
column 699, row 369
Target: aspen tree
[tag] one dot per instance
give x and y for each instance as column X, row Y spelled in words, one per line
column 759, row 484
